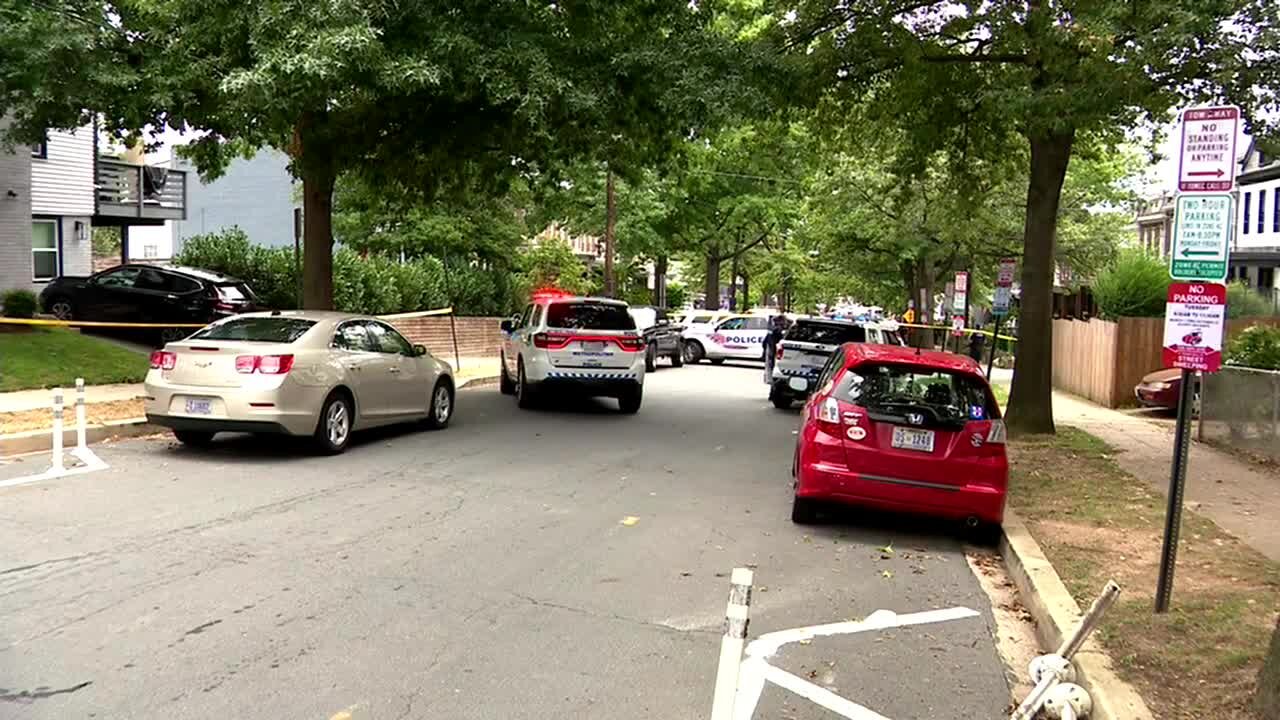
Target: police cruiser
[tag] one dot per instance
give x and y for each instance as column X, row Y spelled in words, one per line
column 808, row 344
column 567, row 344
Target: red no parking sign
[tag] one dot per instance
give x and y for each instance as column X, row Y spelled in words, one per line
column 1193, row 320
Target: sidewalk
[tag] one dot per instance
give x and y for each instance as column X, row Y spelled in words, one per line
column 1240, row 497
column 27, row 400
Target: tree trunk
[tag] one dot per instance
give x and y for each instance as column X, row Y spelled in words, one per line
column 712, row 287
column 1031, row 398
column 660, row 281
column 733, row 285
column 610, row 222
column 746, row 293
column 1267, row 701
column 317, row 240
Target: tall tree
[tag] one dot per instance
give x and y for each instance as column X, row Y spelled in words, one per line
column 1044, row 76
column 415, row 93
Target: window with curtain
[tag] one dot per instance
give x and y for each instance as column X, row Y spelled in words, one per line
column 44, row 250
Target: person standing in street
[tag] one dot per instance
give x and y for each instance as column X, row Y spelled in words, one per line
column 777, row 326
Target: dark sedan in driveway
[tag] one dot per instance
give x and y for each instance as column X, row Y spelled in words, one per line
column 148, row 294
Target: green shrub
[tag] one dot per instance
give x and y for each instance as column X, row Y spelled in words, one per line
column 1135, row 285
column 1257, row 347
column 19, row 304
column 1244, row 301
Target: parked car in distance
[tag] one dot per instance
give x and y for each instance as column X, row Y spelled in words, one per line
column 661, row 337
column 807, row 345
column 1160, row 389
column 739, row 337
column 295, row 372
column 155, row 294
column 897, row 429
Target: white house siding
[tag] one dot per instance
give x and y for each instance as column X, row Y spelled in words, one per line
column 62, row 183
column 15, row 217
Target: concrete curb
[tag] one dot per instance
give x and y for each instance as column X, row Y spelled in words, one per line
column 42, row 440
column 1056, row 614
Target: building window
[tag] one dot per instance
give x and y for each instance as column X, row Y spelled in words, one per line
column 1247, row 198
column 1266, row 278
column 40, row 149
column 1275, row 211
column 1262, row 210
column 150, row 251
column 44, row 249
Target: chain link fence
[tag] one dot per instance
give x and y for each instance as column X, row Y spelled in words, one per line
column 1240, row 410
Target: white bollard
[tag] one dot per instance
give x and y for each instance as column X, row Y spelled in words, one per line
column 736, row 618
column 57, row 430
column 80, row 419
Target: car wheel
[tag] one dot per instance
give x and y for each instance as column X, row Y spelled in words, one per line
column 717, row 361
column 693, row 352
column 780, row 399
column 804, row 511
column 629, row 401
column 677, row 358
column 62, row 309
column 194, row 438
column 441, row 405
column 651, row 359
column 506, row 385
column 524, row 391
column 333, row 432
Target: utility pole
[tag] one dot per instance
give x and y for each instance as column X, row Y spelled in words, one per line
column 610, row 221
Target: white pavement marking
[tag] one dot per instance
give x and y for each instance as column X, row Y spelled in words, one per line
column 756, row 668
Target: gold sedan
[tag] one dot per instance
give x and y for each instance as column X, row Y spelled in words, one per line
column 322, row 374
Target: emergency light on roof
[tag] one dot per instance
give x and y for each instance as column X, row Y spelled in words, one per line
column 550, row 294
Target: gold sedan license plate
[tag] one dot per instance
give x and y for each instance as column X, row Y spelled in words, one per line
column 913, row 439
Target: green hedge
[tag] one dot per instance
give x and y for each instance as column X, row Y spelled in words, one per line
column 18, row 304
column 1135, row 285
column 1257, row 346
column 376, row 284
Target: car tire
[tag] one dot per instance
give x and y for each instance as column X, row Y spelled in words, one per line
column 333, row 429
column 171, row 334
column 677, row 358
column 441, row 408
column 629, row 401
column 694, row 352
column 524, row 390
column 62, row 309
column 194, row 438
column 779, row 398
column 804, row 511
column 717, row 361
column 506, row 385
column 651, row 359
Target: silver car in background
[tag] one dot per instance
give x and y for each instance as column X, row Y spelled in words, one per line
column 307, row 373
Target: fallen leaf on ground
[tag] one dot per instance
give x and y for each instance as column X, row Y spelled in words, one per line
column 630, row 520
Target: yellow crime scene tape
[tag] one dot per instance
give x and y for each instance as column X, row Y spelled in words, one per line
column 948, row 328
column 94, row 323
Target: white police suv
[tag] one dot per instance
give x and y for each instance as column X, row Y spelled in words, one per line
column 807, row 345
column 738, row 337
column 568, row 344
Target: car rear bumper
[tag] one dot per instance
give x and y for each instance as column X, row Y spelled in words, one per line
column 288, row 408
column 821, row 481
column 595, row 387
column 1167, row 398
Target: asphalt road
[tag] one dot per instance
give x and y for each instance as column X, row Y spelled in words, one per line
column 484, row 571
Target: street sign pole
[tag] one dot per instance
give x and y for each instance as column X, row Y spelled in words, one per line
column 1177, row 486
column 995, row 341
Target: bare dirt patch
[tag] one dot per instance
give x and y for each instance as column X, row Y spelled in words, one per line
column 95, row 414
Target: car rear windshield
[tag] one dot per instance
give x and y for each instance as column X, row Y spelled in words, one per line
column 257, row 329
column 942, row 395
column 589, row 316
column 235, row 293
column 825, row 333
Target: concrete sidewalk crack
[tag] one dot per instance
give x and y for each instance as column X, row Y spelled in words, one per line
column 26, row 697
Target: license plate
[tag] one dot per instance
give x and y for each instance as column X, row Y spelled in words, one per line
column 593, row 346
column 199, row 406
column 912, row 439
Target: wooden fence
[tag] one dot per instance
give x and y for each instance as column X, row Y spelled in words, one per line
column 1103, row 360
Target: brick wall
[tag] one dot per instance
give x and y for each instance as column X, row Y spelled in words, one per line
column 477, row 336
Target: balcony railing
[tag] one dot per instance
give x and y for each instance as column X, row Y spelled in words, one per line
column 146, row 192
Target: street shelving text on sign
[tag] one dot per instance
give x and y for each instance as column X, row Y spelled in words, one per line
column 1193, row 322
column 1201, row 237
column 1207, row 159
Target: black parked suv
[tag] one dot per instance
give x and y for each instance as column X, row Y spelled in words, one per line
column 148, row 294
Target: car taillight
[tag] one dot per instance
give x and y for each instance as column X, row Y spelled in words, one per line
column 631, row 344
column 264, row 364
column 778, row 355
column 997, row 434
column 163, row 360
column 224, row 306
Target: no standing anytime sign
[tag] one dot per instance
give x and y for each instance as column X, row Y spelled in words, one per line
column 1208, row 155
column 1193, row 322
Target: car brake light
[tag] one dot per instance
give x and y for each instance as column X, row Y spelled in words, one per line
column 552, row 341
column 224, row 306
column 264, row 364
column 163, row 360
column 631, row 344
column 997, row 434
column 778, row 355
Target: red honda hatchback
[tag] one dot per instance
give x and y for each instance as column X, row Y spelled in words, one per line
column 893, row 428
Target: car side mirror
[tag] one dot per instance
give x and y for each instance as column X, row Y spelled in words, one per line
column 419, row 350
column 507, row 325
column 798, row 384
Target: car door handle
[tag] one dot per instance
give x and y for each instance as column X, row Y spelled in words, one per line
column 393, row 369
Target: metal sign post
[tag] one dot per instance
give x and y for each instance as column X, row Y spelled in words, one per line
column 1000, row 303
column 1177, row 484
